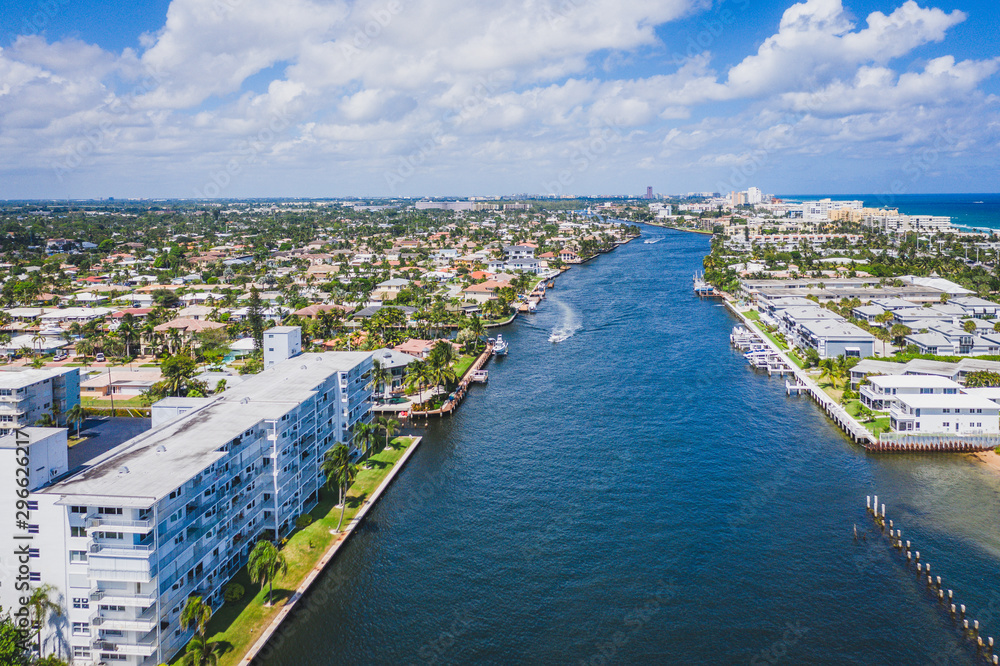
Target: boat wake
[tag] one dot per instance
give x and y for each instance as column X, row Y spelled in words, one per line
column 569, row 325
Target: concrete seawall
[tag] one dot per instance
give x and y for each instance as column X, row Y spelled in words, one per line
column 857, row 432
column 328, row 556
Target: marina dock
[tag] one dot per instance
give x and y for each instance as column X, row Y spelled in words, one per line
column 763, row 354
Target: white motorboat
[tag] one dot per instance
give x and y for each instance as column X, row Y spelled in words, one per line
column 500, row 346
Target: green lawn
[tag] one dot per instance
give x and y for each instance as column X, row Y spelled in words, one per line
column 462, row 365
column 782, row 346
column 879, row 425
column 129, row 403
column 752, row 314
column 237, row 626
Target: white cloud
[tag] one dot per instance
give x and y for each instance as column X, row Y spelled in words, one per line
column 511, row 87
column 815, row 43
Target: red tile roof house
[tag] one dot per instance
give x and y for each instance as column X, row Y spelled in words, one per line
column 484, row 291
column 314, row 310
column 421, row 348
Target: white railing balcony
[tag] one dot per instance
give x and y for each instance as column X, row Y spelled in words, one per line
column 120, row 575
column 145, row 623
column 112, row 598
column 122, row 550
column 119, row 524
column 901, row 414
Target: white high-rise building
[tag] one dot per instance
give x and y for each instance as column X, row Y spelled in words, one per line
column 174, row 512
column 754, row 196
column 26, row 394
column 280, row 343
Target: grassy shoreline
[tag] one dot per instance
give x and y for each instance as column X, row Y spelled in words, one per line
column 237, row 626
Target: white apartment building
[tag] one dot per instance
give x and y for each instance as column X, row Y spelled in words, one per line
column 174, row 512
column 26, row 394
column 280, row 343
column 820, row 210
column 881, row 390
column 945, row 414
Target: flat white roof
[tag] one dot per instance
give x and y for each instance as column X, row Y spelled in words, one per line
column 158, row 461
column 15, row 379
column 913, row 381
column 957, row 401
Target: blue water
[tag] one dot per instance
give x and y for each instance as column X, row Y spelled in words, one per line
column 638, row 494
column 966, row 210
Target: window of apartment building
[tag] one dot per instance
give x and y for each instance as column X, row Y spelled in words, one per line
column 950, row 391
column 112, row 609
column 6, row 418
column 115, row 536
column 81, row 652
column 78, row 531
column 78, row 509
column 77, row 556
column 81, row 602
column 176, row 515
column 113, row 656
column 110, row 510
column 176, row 493
column 81, row 629
column 946, row 424
column 946, row 410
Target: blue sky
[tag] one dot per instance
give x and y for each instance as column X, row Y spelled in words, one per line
column 234, row 98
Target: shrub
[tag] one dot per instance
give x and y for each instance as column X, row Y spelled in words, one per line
column 233, row 593
column 303, row 521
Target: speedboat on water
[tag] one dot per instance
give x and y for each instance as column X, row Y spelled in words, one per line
column 500, row 346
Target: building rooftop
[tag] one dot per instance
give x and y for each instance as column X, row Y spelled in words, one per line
column 35, row 435
column 20, row 377
column 958, row 401
column 913, row 381
column 158, row 461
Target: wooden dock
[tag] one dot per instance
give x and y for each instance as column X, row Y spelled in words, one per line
column 455, row 398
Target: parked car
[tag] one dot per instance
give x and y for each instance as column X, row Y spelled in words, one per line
column 100, row 357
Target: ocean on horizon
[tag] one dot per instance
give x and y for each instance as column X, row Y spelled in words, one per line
column 965, row 210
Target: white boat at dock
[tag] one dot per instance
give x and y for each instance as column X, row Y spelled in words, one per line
column 499, row 346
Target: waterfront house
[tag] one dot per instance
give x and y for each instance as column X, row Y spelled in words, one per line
column 881, row 391
column 949, row 414
column 836, row 338
column 396, row 363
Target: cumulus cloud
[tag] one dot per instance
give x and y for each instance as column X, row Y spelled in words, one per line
column 510, row 87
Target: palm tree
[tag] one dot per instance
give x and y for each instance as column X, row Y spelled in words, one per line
column 40, row 607
column 969, row 326
column 477, row 328
column 899, row 332
column 76, row 414
column 417, row 374
column 264, row 565
column 201, row 653
column 340, row 472
column 36, row 340
column 128, row 333
column 381, row 376
column 389, row 427
column 364, row 435
column 46, row 420
column 442, row 354
column 196, row 612
column 828, row 370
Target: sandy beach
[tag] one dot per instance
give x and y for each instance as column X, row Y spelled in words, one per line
column 989, row 458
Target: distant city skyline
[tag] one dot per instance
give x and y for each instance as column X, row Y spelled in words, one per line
column 308, row 98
